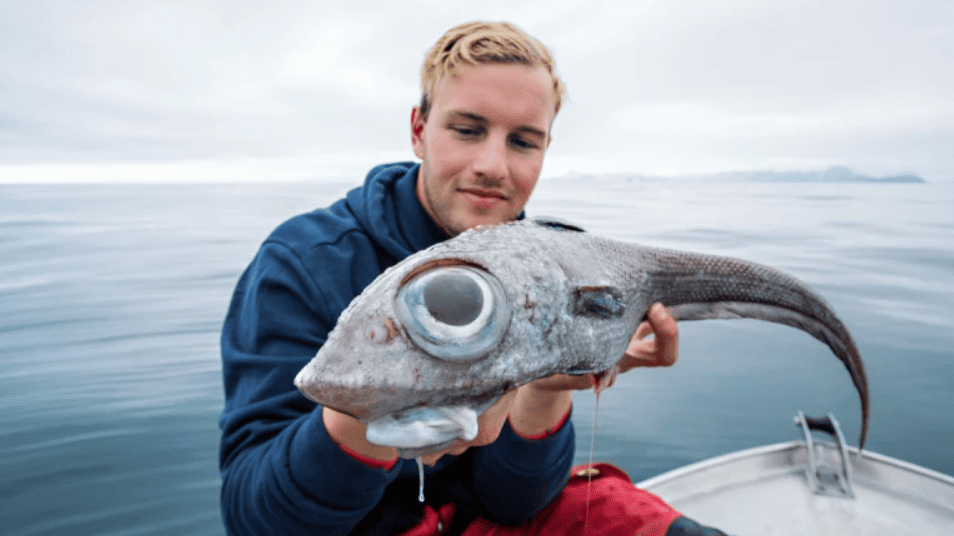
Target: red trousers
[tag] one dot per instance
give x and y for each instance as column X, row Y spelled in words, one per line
column 616, row 507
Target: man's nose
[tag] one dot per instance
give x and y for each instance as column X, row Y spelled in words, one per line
column 491, row 161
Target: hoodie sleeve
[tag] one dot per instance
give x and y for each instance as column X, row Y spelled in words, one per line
column 281, row 473
column 515, row 478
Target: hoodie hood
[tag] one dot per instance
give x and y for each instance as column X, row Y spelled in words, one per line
column 388, row 210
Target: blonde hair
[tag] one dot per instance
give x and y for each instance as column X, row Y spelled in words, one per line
column 484, row 42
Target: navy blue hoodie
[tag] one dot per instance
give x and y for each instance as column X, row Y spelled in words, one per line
column 281, row 473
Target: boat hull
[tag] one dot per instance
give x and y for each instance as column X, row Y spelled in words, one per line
column 766, row 490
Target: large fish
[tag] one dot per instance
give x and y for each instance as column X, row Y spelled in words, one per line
column 437, row 338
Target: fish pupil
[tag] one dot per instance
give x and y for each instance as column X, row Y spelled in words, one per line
column 454, row 299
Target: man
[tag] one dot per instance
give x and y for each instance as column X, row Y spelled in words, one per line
column 490, row 95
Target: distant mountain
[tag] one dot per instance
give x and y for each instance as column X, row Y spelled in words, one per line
column 834, row 174
column 837, row 174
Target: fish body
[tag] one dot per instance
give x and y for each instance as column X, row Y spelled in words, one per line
column 451, row 328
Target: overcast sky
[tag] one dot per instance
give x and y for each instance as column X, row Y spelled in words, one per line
column 230, row 89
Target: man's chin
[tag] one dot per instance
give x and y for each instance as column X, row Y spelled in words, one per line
column 488, row 220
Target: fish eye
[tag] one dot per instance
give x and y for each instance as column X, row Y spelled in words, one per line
column 454, row 313
column 453, row 298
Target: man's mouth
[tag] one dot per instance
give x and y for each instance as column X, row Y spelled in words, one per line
column 483, row 199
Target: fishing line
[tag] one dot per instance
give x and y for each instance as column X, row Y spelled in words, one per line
column 589, row 469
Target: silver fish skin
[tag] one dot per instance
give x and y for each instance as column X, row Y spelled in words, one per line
column 562, row 301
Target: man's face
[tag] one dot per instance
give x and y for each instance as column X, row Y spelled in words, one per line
column 483, row 143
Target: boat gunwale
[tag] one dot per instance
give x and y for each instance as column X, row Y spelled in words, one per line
column 775, row 448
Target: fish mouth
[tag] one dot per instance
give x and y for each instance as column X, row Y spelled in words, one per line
column 412, row 453
column 426, row 430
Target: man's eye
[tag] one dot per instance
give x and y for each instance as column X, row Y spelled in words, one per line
column 467, row 132
column 522, row 143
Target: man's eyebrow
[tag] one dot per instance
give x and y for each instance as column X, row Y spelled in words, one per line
column 483, row 120
column 533, row 131
column 467, row 115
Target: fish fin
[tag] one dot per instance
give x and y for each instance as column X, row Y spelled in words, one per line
column 603, row 302
column 557, row 224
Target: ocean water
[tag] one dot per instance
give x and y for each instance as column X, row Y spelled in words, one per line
column 111, row 299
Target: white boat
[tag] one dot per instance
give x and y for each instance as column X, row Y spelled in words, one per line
column 811, row 487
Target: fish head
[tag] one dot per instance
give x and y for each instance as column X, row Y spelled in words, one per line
column 409, row 341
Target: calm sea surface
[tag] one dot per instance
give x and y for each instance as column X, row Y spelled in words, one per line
column 111, row 299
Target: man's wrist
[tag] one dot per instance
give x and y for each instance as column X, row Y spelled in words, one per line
column 350, row 434
column 537, row 413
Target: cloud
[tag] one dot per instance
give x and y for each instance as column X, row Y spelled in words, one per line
column 652, row 85
column 157, row 80
column 751, row 84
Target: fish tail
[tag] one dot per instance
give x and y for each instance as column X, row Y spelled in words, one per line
column 699, row 287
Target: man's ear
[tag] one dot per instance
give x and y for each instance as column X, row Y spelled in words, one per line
column 417, row 132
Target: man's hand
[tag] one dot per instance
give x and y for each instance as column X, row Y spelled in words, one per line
column 660, row 351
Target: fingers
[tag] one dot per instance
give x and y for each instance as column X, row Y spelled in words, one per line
column 660, row 351
column 667, row 334
column 645, row 329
